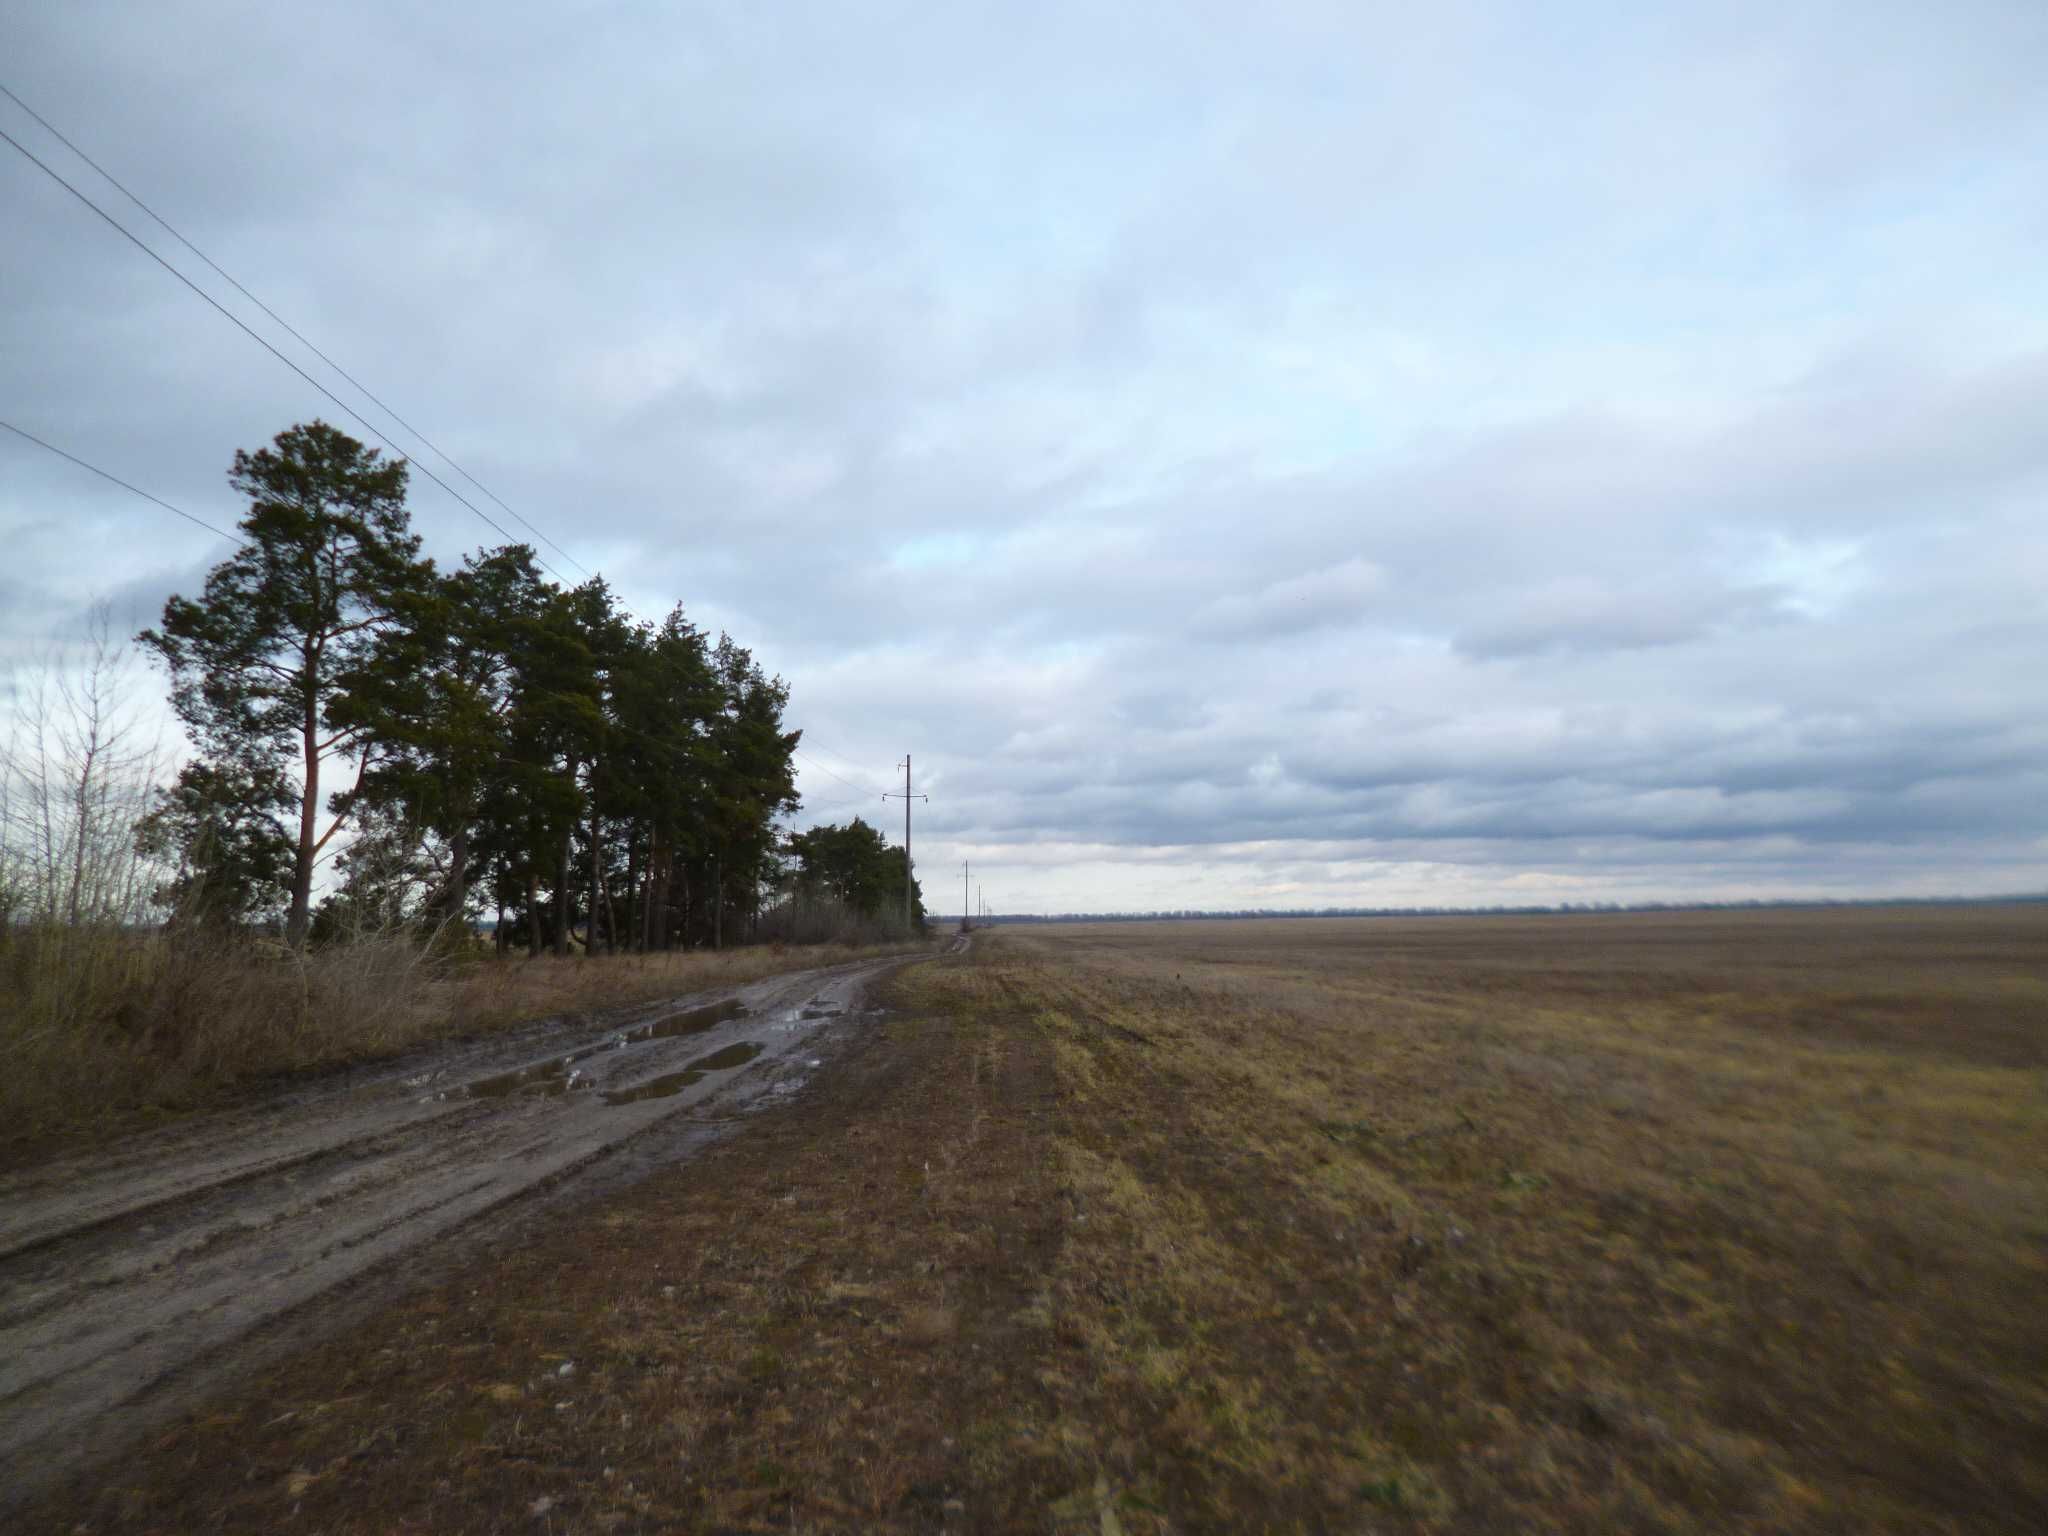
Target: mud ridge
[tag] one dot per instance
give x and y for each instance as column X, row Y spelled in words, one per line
column 131, row 1283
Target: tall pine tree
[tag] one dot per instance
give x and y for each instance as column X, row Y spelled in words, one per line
column 268, row 667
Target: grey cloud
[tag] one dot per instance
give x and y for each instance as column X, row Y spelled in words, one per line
column 1571, row 615
column 1332, row 451
column 1337, row 595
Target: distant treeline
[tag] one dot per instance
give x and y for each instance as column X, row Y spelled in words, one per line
column 473, row 741
column 1559, row 910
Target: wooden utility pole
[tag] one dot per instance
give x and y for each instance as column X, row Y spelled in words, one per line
column 909, row 882
column 966, row 916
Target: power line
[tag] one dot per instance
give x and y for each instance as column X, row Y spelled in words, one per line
column 818, row 746
column 839, row 776
column 104, row 475
column 293, row 331
column 909, row 869
column 677, row 752
column 244, row 327
column 55, row 133
column 656, row 744
column 831, row 805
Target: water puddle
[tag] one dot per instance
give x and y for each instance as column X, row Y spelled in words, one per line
column 655, row 1088
column 821, row 1013
column 545, row 1080
column 692, row 1021
column 732, row 1056
column 675, row 1082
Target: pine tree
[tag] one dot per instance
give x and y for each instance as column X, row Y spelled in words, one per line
column 223, row 832
column 269, row 665
column 441, row 703
column 663, row 700
column 753, row 778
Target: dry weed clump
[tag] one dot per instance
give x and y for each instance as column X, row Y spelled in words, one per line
column 103, row 1028
column 100, row 1025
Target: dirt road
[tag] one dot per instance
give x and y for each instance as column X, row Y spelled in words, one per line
column 134, row 1279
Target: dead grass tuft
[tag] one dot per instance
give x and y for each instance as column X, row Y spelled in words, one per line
column 103, row 1029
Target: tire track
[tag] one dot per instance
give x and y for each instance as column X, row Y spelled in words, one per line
column 131, row 1282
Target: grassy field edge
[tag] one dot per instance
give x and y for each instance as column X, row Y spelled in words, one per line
column 161, row 1031
column 1695, row 1224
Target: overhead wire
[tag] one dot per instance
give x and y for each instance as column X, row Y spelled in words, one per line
column 264, row 343
column 818, row 746
column 299, row 336
column 26, row 435
column 839, row 776
column 830, row 805
column 58, row 134
column 23, row 432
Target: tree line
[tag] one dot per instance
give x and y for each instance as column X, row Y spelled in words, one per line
column 480, row 740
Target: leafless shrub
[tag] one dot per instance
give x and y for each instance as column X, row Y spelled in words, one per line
column 76, row 771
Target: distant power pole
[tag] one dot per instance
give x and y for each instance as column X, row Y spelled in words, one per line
column 966, row 917
column 909, row 884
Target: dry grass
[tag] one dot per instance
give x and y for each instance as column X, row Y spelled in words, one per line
column 1687, row 1223
column 1632, row 1223
column 497, row 992
column 104, row 1030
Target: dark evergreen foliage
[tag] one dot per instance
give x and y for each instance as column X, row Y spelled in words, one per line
column 511, row 748
column 223, row 828
column 264, row 666
column 853, row 865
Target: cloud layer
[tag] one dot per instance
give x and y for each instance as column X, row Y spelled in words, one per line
column 1358, row 454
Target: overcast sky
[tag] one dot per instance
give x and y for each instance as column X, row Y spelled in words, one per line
column 1250, row 455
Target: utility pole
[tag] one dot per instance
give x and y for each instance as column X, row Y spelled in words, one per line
column 966, row 917
column 909, row 884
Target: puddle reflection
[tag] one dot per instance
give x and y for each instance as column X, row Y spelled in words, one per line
column 675, row 1082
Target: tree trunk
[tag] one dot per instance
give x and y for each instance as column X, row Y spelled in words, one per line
column 85, row 827
column 661, row 864
column 596, row 872
column 309, row 818
column 565, row 910
column 636, row 928
column 456, row 901
column 532, row 909
column 647, row 907
column 611, row 916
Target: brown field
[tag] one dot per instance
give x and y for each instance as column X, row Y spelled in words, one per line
column 1705, row 1222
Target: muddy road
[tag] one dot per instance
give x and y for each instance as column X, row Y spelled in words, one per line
column 138, row 1277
